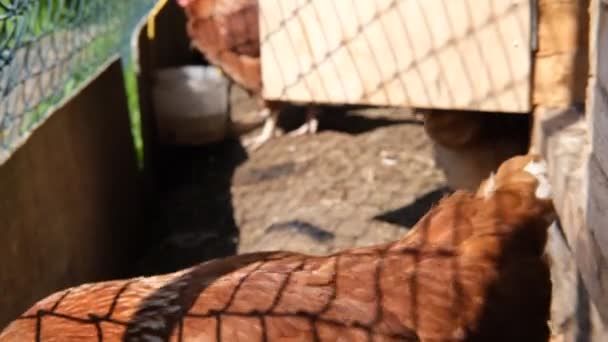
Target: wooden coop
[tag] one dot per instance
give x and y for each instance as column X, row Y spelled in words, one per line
column 425, row 54
column 548, row 59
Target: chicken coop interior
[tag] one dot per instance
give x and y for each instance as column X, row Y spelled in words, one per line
column 304, row 170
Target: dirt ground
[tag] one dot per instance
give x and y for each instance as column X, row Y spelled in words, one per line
column 365, row 178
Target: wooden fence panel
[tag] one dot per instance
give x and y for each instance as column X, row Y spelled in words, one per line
column 457, row 54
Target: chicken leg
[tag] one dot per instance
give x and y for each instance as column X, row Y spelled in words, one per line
column 270, row 126
column 310, row 126
column 268, row 131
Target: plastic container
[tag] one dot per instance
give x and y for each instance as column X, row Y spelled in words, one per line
column 191, row 105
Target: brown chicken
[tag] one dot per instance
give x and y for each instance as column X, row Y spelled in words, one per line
column 227, row 33
column 470, row 145
column 472, row 269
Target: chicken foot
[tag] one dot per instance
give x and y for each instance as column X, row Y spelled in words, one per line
column 310, row 126
column 270, row 127
column 268, row 131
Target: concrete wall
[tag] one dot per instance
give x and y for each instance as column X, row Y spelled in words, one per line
column 69, row 202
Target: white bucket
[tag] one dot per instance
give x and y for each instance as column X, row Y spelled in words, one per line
column 191, row 104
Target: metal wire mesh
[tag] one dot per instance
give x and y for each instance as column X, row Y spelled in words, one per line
column 420, row 53
column 353, row 294
column 48, row 49
column 429, row 54
column 232, row 41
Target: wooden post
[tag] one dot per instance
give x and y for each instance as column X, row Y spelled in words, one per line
column 570, row 118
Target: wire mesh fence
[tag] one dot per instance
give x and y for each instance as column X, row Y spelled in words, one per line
column 48, row 49
column 389, row 52
column 435, row 54
column 444, row 54
column 358, row 55
column 427, row 286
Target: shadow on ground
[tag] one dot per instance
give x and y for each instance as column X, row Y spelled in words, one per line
column 344, row 120
column 314, row 194
column 408, row 215
column 195, row 218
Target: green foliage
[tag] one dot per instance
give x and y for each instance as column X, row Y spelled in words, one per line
column 49, row 48
column 135, row 115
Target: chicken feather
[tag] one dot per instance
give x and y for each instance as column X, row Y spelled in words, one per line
column 227, row 33
column 472, row 269
column 470, row 145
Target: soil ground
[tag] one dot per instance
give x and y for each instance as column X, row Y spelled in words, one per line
column 366, row 177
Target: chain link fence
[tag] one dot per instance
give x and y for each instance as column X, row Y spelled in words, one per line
column 49, row 49
column 317, row 51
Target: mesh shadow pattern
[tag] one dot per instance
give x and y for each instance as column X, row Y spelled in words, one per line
column 48, row 48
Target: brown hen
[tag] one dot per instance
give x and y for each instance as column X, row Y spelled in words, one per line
column 227, row 33
column 470, row 145
column 472, row 269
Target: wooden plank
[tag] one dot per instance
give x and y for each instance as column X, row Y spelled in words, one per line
column 597, row 205
column 592, row 265
column 573, row 173
column 597, row 105
column 574, row 317
column 565, row 145
column 598, row 89
column 457, row 54
column 70, row 199
column 574, row 145
column 599, row 48
column 603, row 44
column 561, row 62
column 590, row 246
column 579, row 196
column 572, row 142
column 598, row 109
column 170, row 47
